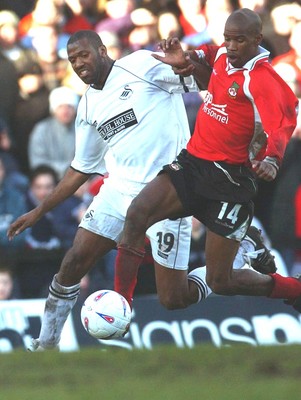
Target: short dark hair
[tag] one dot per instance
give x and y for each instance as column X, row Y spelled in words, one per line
column 43, row 170
column 92, row 36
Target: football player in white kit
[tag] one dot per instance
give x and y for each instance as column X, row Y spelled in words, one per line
column 130, row 122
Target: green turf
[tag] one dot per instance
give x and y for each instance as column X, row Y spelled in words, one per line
column 202, row 373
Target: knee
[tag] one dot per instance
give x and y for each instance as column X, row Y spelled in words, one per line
column 172, row 302
column 137, row 215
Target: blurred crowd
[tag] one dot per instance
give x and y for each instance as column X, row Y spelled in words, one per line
column 39, row 94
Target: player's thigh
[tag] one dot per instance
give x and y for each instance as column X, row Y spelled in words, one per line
column 158, row 200
column 227, row 224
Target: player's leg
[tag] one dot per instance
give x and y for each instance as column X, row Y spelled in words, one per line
column 222, row 278
column 65, row 286
column 177, row 290
column 157, row 201
column 98, row 233
column 148, row 207
column 220, row 253
column 170, row 242
column 227, row 224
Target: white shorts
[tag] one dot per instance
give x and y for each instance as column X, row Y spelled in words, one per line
column 170, row 240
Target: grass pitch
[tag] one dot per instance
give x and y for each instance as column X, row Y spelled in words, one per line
column 168, row 373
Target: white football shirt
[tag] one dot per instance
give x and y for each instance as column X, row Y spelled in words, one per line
column 137, row 123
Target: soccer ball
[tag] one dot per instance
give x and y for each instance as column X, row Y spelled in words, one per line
column 106, row 314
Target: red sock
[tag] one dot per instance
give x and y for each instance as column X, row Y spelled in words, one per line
column 127, row 263
column 285, row 287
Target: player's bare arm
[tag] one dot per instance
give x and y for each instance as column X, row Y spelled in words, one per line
column 184, row 63
column 65, row 188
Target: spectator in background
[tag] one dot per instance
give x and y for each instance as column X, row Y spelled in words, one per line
column 193, row 22
column 288, row 65
column 216, row 13
column 43, row 235
column 78, row 14
column 42, row 241
column 52, row 140
column 25, row 64
column 49, row 72
column 169, row 25
column 284, row 16
column 9, row 79
column 45, row 12
column 12, row 202
column 68, row 15
column 8, row 285
column 49, row 43
column 92, row 10
column 144, row 34
column 118, row 19
column 32, row 106
column 114, row 48
column 44, row 39
column 10, row 44
column 12, row 168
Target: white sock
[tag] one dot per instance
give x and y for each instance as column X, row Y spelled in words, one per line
column 198, row 276
column 59, row 304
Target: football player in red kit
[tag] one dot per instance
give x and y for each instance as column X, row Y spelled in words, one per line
column 241, row 132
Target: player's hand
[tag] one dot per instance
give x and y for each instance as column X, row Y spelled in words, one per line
column 264, row 170
column 23, row 222
column 184, row 71
column 175, row 56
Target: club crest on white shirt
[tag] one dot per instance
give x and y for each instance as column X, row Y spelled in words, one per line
column 126, row 94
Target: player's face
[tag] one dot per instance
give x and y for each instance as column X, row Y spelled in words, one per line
column 241, row 45
column 42, row 186
column 86, row 61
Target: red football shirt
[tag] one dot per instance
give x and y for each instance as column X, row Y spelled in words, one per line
column 247, row 112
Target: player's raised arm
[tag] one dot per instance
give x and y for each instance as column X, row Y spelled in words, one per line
column 183, row 63
column 65, row 188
